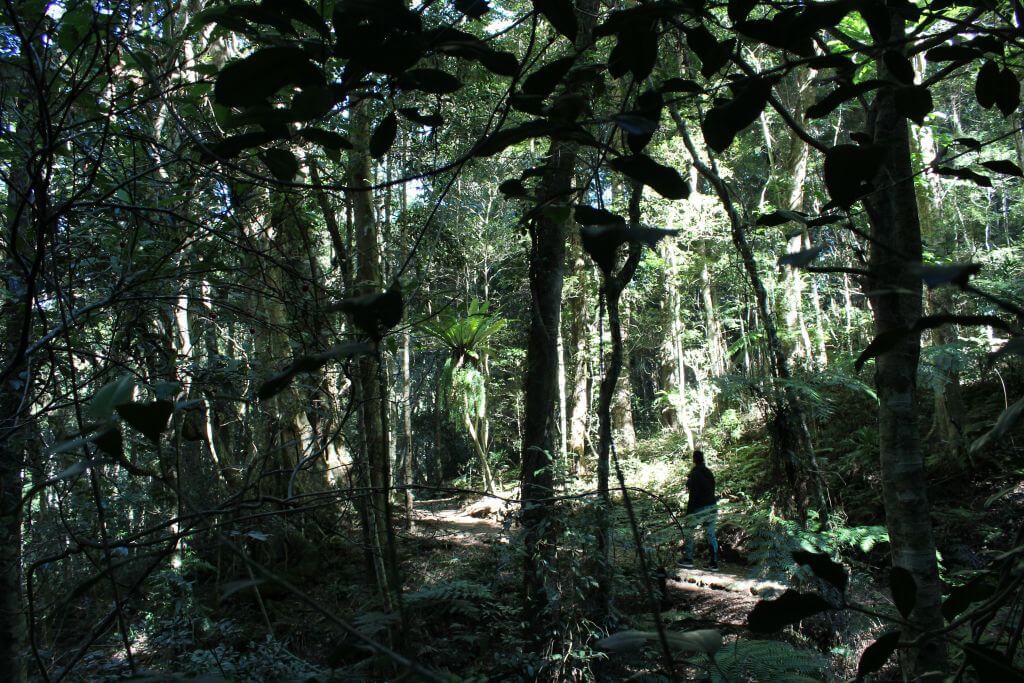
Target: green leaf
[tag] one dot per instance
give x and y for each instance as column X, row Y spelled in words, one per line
column 111, row 395
column 309, row 363
column 150, row 419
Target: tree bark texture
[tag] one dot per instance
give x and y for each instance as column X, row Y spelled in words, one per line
column 895, row 247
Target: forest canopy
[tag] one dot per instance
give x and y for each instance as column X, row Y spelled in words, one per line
column 394, row 339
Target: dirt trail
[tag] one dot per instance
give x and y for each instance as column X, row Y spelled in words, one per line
column 449, row 519
column 722, row 597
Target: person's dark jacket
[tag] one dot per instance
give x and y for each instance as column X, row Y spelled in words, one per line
column 701, row 486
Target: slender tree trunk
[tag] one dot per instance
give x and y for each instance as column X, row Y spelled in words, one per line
column 622, row 402
column 369, row 385
column 895, row 246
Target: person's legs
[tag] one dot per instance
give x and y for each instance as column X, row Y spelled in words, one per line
column 689, row 530
column 709, row 530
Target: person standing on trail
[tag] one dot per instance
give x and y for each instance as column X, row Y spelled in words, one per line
column 701, row 510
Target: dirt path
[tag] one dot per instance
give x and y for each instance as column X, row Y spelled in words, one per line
column 448, row 519
column 724, row 597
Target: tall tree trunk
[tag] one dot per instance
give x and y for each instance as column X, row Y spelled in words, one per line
column 792, row 181
column 895, row 247
column 546, row 271
column 622, row 402
column 369, row 377
column 579, row 332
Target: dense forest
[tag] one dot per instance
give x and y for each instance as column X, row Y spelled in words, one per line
column 380, row 339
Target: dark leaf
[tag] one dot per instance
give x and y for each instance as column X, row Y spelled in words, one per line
column 513, row 188
column 824, row 567
column 769, row 616
column 232, row 146
column 878, row 653
column 849, row 170
column 991, row 664
column 433, row 81
column 502, row 139
column 312, row 103
column 844, row 93
column 542, row 82
column 964, row 174
column 327, row 139
column 978, row 589
column 952, row 53
column 636, row 52
column 1008, row 92
column 282, row 164
column 876, row 16
column 1003, row 166
column 904, row 590
column 376, row 313
column 986, row 87
column 279, row 382
column 936, row 275
column 384, row 136
column 665, row 180
column 110, row 442
column 914, row 102
column 740, row 9
column 252, row 80
column 723, row 123
column 899, row 66
column 601, row 242
column 452, row 41
column 882, row 343
column 680, row 85
column 589, row 215
column 149, row 418
column 561, row 14
column 802, row 258
column 429, row 120
column 636, row 124
column 780, row 217
column 969, row 143
column 474, row 9
column 990, row 44
column 713, row 55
